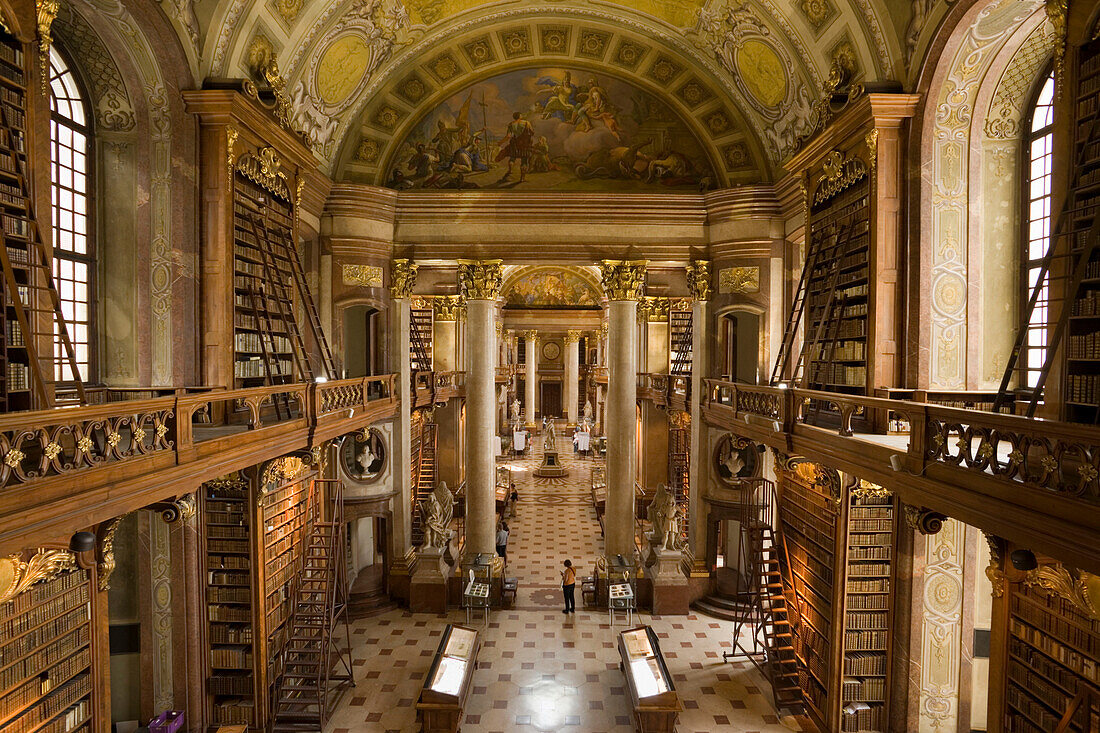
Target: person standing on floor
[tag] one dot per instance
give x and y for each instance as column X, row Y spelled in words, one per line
column 568, row 585
column 502, row 541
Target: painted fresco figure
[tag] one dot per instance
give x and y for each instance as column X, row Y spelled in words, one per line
column 516, row 146
column 563, row 98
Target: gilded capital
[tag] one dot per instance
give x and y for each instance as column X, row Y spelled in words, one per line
column 623, row 279
column 480, row 279
column 653, row 308
column 572, row 337
column 530, row 336
column 402, row 278
column 448, row 307
column 698, row 277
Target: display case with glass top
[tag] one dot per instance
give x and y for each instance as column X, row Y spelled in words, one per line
column 447, row 684
column 654, row 702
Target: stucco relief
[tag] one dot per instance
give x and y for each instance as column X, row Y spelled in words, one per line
column 113, row 109
column 941, row 629
column 160, row 557
column 948, row 205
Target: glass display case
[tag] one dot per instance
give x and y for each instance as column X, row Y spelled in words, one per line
column 655, row 704
column 447, row 684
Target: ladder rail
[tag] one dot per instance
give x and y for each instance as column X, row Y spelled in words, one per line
column 308, row 305
column 794, row 317
column 272, row 368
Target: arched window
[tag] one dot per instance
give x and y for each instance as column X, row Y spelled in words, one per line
column 1038, row 159
column 74, row 246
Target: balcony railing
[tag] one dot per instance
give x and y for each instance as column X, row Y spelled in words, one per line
column 665, row 390
column 434, row 388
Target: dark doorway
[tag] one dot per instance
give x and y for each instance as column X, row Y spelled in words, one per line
column 551, row 399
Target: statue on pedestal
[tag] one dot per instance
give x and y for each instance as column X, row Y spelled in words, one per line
column 439, row 511
column 515, row 411
column 588, row 411
column 548, row 440
column 661, row 515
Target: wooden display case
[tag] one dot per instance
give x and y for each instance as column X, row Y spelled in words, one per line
column 442, row 702
column 655, row 704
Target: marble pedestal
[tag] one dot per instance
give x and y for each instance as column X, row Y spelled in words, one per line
column 670, row 585
column 428, row 589
column 551, row 465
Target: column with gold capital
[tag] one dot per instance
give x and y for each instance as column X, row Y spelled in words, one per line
column 531, row 378
column 572, row 375
column 480, row 281
column 622, row 282
column 402, row 280
column 699, row 279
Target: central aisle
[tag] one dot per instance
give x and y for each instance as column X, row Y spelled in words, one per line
column 539, row 670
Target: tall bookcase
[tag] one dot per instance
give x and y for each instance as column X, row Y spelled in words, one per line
column 267, row 341
column 1053, row 653
column 868, row 590
column 47, row 652
column 254, row 527
column 1081, row 391
column 808, row 519
column 421, row 321
column 679, row 342
column 15, row 366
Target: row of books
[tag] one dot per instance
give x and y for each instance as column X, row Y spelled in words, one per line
column 224, row 634
column 1048, row 668
column 223, row 594
column 233, row 711
column 230, row 532
column 11, row 54
column 865, row 640
column 254, row 368
column 860, row 717
column 222, row 545
column 869, row 568
column 863, row 689
column 1084, row 346
column 866, row 620
column 848, row 376
column 1031, row 708
column 227, row 562
column 43, row 612
column 230, row 658
column 825, row 539
column 45, row 657
column 849, row 351
column 227, row 577
column 229, row 685
column 875, row 602
column 19, row 376
column 1083, row 388
column 230, row 518
column 230, row 614
column 879, row 538
column 24, row 645
column 41, row 592
column 857, row 524
column 1068, row 656
column 809, row 560
column 62, row 698
column 864, row 663
column 869, row 553
column 868, row 586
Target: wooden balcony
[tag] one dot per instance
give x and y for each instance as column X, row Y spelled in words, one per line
column 436, row 388
column 1035, row 482
column 669, row 391
column 69, row 468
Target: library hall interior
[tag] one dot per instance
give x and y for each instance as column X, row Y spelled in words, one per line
column 741, row 374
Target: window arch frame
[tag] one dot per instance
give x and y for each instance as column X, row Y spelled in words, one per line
column 88, row 259
column 1034, row 346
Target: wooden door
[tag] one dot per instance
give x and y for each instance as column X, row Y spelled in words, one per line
column 551, row 399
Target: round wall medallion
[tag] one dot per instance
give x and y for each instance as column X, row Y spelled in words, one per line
column 363, row 456
column 551, row 351
column 737, row 458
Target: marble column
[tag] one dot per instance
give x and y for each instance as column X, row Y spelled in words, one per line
column 622, row 282
column 531, row 347
column 481, row 286
column 572, row 376
column 698, row 276
column 402, row 280
column 445, row 332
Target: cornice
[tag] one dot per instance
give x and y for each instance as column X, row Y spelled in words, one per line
column 358, row 200
column 743, row 202
column 230, row 107
column 533, row 208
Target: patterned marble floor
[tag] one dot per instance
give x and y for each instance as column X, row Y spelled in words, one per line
column 539, row 670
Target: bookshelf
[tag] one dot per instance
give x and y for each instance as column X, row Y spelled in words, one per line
column 227, row 521
column 267, row 343
column 838, row 288
column 679, row 341
column 1053, row 652
column 808, row 519
column 15, row 363
column 420, row 338
column 1081, row 389
column 868, row 589
column 46, row 656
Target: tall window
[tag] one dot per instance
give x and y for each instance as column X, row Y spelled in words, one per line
column 1038, row 158
column 74, row 252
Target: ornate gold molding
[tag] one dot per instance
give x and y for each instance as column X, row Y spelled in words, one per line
column 993, row 570
column 46, row 13
column 402, row 278
column 733, row 280
column 924, row 520
column 231, row 135
column 868, row 490
column 573, row 336
column 872, row 149
column 281, row 470
column 1056, row 13
column 698, row 277
column 284, row 112
column 480, row 279
column 265, row 169
column 365, row 276
column 653, row 309
column 16, row 575
column 623, row 279
column 1079, row 588
column 838, row 172
column 530, row 336
column 448, row 307
column 107, row 551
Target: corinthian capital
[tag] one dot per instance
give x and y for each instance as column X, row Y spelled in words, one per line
column 449, row 307
column 572, row 336
column 530, row 336
column 402, row 278
column 698, row 276
column 480, row 279
column 622, row 279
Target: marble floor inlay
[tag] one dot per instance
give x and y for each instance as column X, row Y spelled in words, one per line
column 538, row 669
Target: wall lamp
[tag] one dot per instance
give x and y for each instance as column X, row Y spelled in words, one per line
column 897, row 464
column 762, row 422
column 1023, row 560
column 351, row 412
column 82, row 542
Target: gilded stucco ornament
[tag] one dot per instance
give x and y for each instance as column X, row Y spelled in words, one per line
column 867, row 490
column 106, row 562
column 366, row 276
column 402, row 278
column 623, row 279
column 993, row 570
column 732, row 280
column 265, row 169
column 698, row 279
column 653, row 309
column 17, row 575
column 46, row 13
column 231, row 136
column 872, row 148
column 1078, row 587
column 480, row 279
column 1056, row 13
column 924, row 520
column 448, row 307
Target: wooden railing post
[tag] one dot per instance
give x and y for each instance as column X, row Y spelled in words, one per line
column 185, row 439
column 918, row 438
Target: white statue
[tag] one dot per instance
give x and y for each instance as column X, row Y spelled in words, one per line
column 365, row 459
column 439, row 513
column 734, row 462
column 673, row 541
column 588, row 411
column 515, row 410
column 548, row 442
column 660, row 514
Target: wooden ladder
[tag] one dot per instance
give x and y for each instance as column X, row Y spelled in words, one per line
column 766, row 605
column 29, row 298
column 308, row 305
column 425, row 478
column 311, row 660
column 794, row 317
column 272, row 368
column 1082, row 714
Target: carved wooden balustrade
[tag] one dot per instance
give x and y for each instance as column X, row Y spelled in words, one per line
column 665, row 390
column 1034, row 481
column 436, row 388
column 66, row 469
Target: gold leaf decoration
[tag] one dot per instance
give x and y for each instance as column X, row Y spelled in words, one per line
column 16, row 575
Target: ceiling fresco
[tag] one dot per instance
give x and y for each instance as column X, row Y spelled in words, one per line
column 551, row 128
column 550, row 288
column 677, row 13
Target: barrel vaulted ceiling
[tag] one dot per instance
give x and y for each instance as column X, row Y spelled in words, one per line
column 740, row 75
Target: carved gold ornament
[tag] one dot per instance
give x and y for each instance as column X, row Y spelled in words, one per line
column 739, row 280
column 52, row 450
column 107, row 552
column 402, row 278
column 530, row 337
column 366, row 276
column 1078, row 587
column 162, row 430
column 868, row 490
column 282, row 470
column 653, row 309
column 139, row 435
column 230, row 141
column 16, row 575
column 838, row 173
column 872, row 149
column 480, row 279
column 572, row 337
column 449, row 307
column 113, row 438
column 46, row 14
column 265, row 169
column 993, row 570
column 698, row 277
column 623, row 279
column 1056, row 13
column 14, row 458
